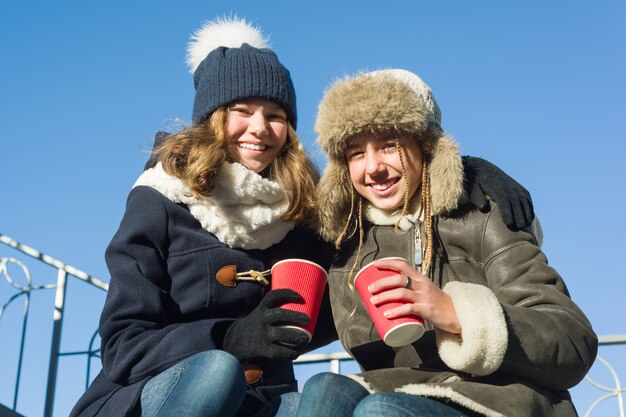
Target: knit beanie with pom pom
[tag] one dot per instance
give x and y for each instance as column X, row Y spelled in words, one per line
column 230, row 60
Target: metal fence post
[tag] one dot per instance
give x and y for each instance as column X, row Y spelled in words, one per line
column 59, row 305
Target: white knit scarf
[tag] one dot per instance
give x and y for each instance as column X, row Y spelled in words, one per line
column 243, row 211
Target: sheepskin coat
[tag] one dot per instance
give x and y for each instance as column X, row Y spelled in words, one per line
column 165, row 303
column 524, row 341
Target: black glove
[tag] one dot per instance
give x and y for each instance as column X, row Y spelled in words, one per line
column 159, row 138
column 259, row 334
column 482, row 178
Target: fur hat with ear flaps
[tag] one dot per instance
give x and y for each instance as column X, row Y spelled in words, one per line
column 396, row 101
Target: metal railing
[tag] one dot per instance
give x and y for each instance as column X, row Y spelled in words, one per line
column 64, row 272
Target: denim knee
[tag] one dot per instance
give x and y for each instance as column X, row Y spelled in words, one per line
column 403, row 405
column 329, row 381
column 330, row 395
column 216, row 361
column 209, row 383
column 211, row 366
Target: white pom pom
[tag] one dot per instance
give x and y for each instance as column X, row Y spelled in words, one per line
column 230, row 32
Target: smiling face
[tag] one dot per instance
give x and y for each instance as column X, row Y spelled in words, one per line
column 257, row 130
column 376, row 170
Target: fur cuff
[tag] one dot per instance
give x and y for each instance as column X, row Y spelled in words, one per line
column 481, row 349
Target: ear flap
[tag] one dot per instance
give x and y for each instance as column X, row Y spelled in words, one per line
column 446, row 175
column 334, row 198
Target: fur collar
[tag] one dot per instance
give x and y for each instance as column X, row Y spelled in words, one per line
column 243, row 211
column 384, row 218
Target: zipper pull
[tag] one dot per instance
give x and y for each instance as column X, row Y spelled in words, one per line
column 418, row 245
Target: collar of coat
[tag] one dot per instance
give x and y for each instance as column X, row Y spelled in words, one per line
column 244, row 209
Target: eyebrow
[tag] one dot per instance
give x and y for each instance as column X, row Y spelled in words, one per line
column 385, row 138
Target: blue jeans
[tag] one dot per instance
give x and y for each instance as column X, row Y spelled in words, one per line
column 284, row 406
column 207, row 384
column 332, row 395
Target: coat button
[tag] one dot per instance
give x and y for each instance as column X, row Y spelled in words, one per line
column 227, row 276
column 253, row 373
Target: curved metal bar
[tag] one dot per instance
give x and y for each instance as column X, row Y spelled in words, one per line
column 612, row 392
column 22, row 291
column 597, row 402
column 5, row 271
column 9, row 301
column 91, row 354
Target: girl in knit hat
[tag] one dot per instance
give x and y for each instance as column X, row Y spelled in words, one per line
column 189, row 327
column 503, row 337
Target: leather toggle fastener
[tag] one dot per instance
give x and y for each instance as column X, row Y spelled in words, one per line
column 253, row 373
column 229, row 276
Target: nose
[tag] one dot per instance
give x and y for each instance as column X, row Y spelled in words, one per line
column 258, row 124
column 373, row 163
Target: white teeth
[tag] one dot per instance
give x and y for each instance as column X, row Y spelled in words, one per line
column 252, row 146
column 384, row 186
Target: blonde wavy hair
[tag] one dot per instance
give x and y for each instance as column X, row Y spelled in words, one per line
column 195, row 155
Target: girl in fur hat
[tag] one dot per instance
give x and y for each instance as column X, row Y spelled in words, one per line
column 503, row 336
column 189, row 327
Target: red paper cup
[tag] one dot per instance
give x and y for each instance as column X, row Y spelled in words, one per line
column 395, row 332
column 307, row 279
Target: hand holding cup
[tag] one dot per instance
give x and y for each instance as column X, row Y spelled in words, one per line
column 419, row 294
column 306, row 278
column 395, row 330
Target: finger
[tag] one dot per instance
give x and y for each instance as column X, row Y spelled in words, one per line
column 477, row 197
column 529, row 209
column 280, row 315
column 518, row 215
column 521, row 216
column 289, row 336
column 526, row 206
column 506, row 213
column 395, row 264
column 387, row 283
column 403, row 310
column 279, row 297
column 402, row 267
column 398, row 294
column 281, row 351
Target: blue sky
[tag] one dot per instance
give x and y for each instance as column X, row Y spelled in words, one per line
column 535, row 87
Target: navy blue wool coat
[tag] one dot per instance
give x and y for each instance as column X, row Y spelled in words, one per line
column 164, row 303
